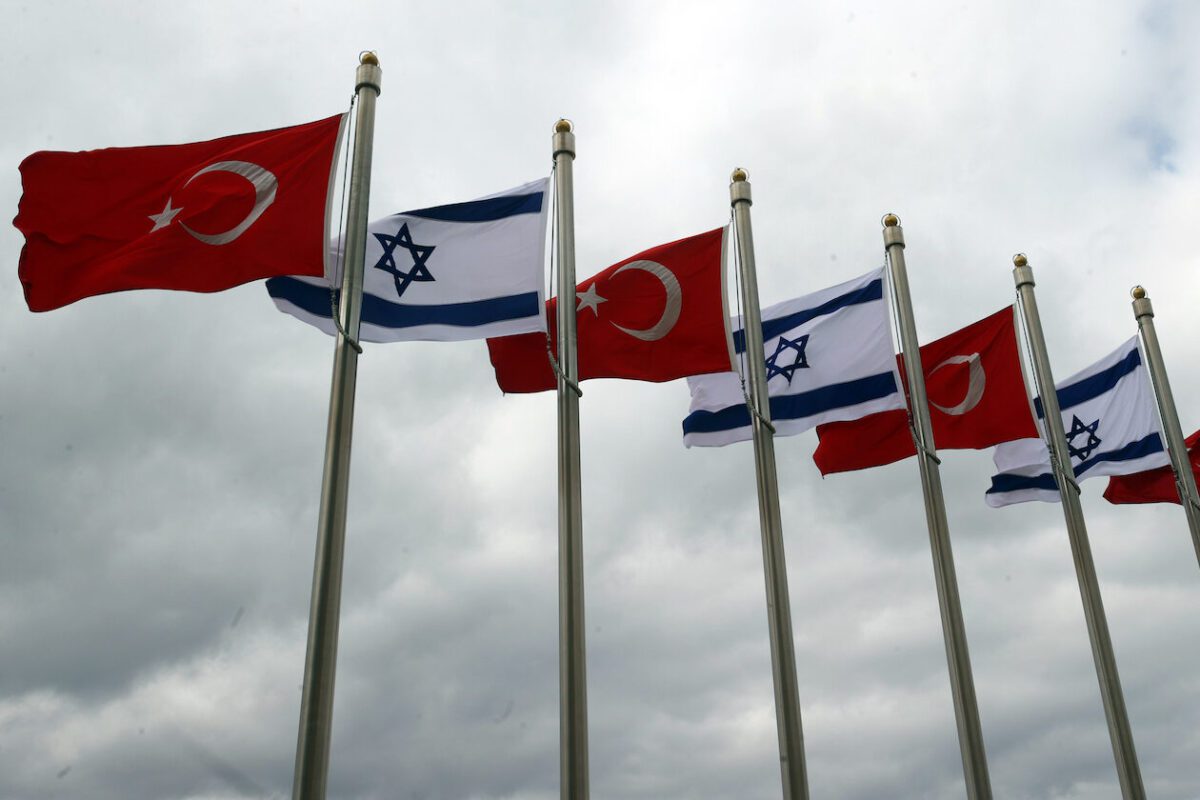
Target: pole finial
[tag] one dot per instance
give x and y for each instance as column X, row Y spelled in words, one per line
column 1137, row 293
column 563, row 126
column 739, row 175
column 890, row 220
column 1019, row 260
column 368, row 57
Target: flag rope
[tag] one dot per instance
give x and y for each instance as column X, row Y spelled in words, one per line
column 341, row 236
column 737, row 290
column 1184, row 498
column 553, row 234
column 737, row 293
column 920, row 446
column 1055, row 465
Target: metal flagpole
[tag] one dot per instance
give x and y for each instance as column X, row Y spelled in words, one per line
column 1119, row 732
column 1185, row 480
column 958, row 657
column 572, row 654
column 779, row 613
column 316, row 704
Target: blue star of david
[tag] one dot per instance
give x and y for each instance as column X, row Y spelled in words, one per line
column 800, row 362
column 1092, row 442
column 418, row 252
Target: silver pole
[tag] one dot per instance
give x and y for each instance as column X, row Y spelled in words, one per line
column 316, row 704
column 779, row 613
column 572, row 653
column 954, row 634
column 1119, row 732
column 1185, row 480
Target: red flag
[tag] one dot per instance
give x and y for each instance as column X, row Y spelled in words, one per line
column 1153, row 485
column 199, row 217
column 656, row 316
column 976, row 397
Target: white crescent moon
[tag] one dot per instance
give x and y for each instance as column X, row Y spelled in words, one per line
column 264, row 183
column 670, row 314
column 976, row 380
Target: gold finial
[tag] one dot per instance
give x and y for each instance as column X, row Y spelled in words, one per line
column 1137, row 293
column 1019, row 260
column 890, row 220
column 563, row 126
column 739, row 175
column 368, row 57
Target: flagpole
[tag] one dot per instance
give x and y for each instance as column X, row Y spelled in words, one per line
column 572, row 653
column 1119, row 731
column 958, row 657
column 1185, row 480
column 779, row 613
column 316, row 704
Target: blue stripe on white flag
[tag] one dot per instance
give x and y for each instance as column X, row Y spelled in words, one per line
column 781, row 325
column 1007, row 482
column 1093, row 386
column 486, row 210
column 443, row 273
column 1010, row 482
column 1147, row 445
column 842, row 366
column 383, row 314
column 795, row 406
column 1109, row 405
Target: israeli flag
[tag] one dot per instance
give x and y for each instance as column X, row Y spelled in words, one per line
column 1112, row 428
column 829, row 357
column 448, row 273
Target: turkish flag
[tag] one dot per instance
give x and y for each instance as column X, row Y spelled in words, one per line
column 656, row 316
column 1153, row 485
column 200, row 217
column 976, row 396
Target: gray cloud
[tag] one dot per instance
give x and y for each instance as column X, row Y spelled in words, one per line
column 160, row 453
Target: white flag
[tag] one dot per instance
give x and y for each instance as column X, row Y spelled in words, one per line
column 829, row 357
column 1111, row 424
column 462, row 271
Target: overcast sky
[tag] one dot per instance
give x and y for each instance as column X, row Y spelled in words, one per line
column 160, row 453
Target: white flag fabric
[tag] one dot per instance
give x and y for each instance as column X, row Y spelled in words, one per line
column 461, row 271
column 1112, row 428
column 829, row 356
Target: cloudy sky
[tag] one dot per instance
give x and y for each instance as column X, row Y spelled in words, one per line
column 160, row 453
